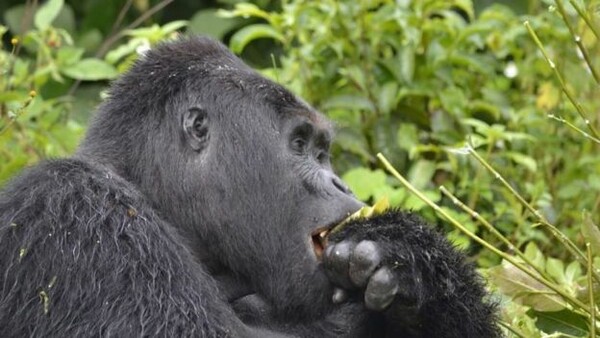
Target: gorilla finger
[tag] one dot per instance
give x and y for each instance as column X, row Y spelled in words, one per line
column 336, row 263
column 364, row 260
column 381, row 290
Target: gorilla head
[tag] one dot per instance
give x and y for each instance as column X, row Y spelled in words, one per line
column 237, row 163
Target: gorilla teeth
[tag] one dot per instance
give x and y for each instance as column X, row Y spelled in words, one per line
column 319, row 242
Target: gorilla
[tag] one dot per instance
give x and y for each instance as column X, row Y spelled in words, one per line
column 196, row 206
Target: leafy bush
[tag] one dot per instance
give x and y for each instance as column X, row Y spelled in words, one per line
column 470, row 103
column 41, row 72
column 455, row 99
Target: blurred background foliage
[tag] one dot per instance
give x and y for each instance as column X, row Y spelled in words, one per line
column 423, row 82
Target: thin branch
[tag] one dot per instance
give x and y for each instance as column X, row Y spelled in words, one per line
column 574, row 127
column 585, row 18
column 557, row 289
column 30, row 7
column 115, row 37
column 578, row 41
column 561, row 80
column 590, row 270
column 107, row 44
column 121, row 16
column 493, row 230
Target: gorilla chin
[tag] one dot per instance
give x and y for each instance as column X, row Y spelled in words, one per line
column 195, row 207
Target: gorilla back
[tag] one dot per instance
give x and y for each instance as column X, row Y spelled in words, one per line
column 192, row 208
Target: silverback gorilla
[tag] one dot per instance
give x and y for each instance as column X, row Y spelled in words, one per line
column 192, row 209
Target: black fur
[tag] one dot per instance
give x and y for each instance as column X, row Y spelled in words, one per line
column 188, row 211
column 440, row 292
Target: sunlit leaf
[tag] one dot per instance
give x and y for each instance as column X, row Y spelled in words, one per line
column 521, row 159
column 591, row 233
column 548, row 96
column 90, row 69
column 364, row 182
column 387, row 97
column 524, row 289
column 47, row 13
column 244, row 36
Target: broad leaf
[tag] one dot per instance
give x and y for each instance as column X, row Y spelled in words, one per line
column 524, row 289
column 564, row 321
column 249, row 33
column 47, row 13
column 591, row 233
column 91, row 70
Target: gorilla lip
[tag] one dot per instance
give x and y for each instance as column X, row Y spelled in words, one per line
column 319, row 241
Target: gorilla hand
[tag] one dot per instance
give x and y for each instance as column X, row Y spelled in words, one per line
column 411, row 275
column 384, row 275
column 359, row 265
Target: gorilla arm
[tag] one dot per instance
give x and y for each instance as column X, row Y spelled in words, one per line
column 412, row 276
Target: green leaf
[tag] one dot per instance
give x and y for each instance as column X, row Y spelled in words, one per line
column 352, row 141
column 524, row 289
column 535, row 255
column 387, row 97
column 120, row 52
column 572, row 272
column 420, row 173
column 556, row 269
column 13, row 96
column 453, row 100
column 207, row 22
column 47, row 13
column 467, row 6
column 68, row 55
column 591, row 233
column 350, row 102
column 524, row 160
column 244, row 10
column 565, row 321
column 250, row 33
column 414, row 203
column 172, row 26
column 407, row 63
column 407, row 136
column 90, row 70
column 365, row 182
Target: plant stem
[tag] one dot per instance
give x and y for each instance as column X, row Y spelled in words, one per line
column 578, row 41
column 493, row 230
column 572, row 126
column 561, row 80
column 553, row 230
column 570, row 299
column 590, row 281
column 511, row 329
column 585, row 18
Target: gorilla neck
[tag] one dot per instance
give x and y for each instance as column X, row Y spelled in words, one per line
column 232, row 287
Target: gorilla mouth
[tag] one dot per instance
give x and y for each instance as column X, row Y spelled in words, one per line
column 319, row 241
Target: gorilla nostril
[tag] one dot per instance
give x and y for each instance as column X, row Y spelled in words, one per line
column 340, row 185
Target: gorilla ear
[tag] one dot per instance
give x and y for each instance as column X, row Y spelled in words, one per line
column 195, row 128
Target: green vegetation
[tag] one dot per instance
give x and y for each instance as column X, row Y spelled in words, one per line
column 492, row 118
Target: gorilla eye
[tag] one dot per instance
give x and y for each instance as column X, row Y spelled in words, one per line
column 299, row 145
column 300, row 138
column 323, row 157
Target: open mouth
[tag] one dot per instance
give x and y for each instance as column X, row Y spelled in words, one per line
column 319, row 240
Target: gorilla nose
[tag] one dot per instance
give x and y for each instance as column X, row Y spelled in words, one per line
column 337, row 182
